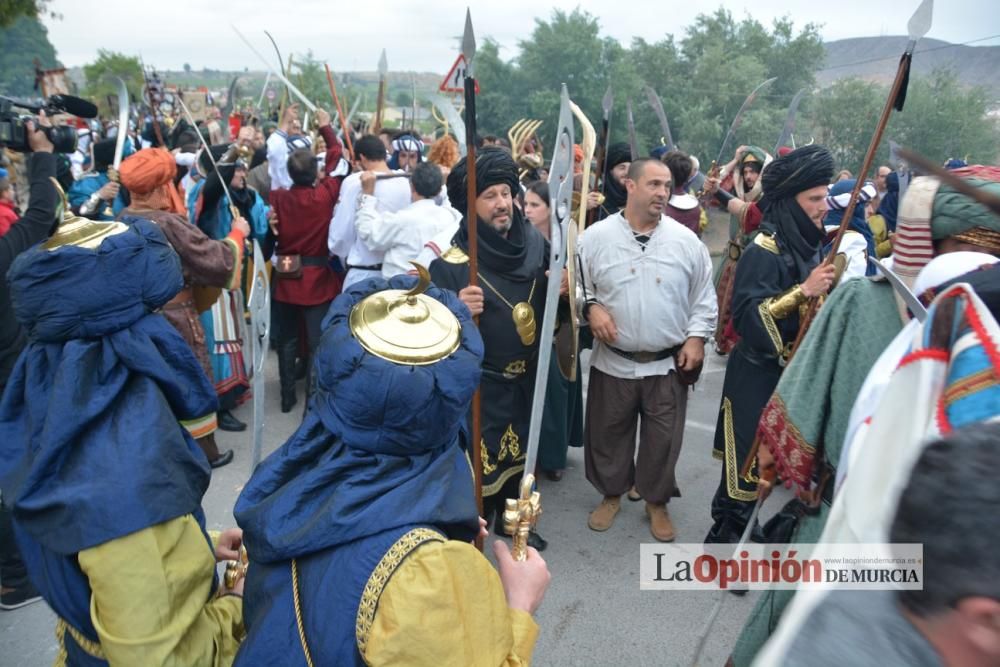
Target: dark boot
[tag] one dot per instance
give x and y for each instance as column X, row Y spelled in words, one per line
column 286, row 374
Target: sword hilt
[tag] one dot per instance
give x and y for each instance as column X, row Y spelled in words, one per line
column 521, row 516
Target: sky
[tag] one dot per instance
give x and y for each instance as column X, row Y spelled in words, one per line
column 424, row 35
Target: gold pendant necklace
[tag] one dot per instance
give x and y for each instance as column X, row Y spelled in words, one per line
column 522, row 313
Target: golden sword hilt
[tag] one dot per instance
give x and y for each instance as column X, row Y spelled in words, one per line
column 521, row 516
column 236, row 569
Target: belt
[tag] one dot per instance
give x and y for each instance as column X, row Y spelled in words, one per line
column 646, row 357
column 373, row 267
column 180, row 299
column 317, row 260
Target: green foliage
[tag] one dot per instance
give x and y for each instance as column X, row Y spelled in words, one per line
column 702, row 80
column 940, row 119
column 100, row 79
column 12, row 10
column 23, row 41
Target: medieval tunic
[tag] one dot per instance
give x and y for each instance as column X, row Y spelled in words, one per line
column 360, row 524
column 209, row 210
column 657, row 288
column 205, row 263
column 515, row 268
column 106, row 485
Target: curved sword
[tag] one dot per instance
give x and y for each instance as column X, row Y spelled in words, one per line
column 522, row 513
column 788, row 129
column 657, row 104
column 739, row 118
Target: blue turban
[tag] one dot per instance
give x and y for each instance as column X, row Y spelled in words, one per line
column 839, row 196
column 380, row 447
column 91, row 447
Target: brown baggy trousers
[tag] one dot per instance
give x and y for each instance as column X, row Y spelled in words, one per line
column 614, row 407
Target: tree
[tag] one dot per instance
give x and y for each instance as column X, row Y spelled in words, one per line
column 187, row 68
column 101, row 83
column 12, row 10
column 940, row 119
column 24, row 41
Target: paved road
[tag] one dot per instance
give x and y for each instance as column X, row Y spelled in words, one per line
column 594, row 613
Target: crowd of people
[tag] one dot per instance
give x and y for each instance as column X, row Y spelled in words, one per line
column 123, row 322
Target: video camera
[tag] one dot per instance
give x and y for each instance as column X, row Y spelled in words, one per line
column 14, row 134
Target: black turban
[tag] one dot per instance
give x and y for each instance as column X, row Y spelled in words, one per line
column 800, row 170
column 614, row 192
column 104, row 153
column 205, row 163
column 494, row 166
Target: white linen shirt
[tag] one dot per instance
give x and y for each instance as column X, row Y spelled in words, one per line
column 401, row 236
column 391, row 194
column 658, row 297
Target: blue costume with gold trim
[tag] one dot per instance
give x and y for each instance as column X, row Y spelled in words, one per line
column 92, row 453
column 371, row 489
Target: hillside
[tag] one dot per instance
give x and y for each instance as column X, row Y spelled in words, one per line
column 875, row 58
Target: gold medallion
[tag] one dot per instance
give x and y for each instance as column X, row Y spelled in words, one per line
column 524, row 322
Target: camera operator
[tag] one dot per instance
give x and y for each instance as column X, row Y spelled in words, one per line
column 34, row 226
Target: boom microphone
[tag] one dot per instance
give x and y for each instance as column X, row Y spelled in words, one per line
column 76, row 106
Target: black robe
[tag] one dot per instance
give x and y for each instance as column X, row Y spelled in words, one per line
column 515, row 266
column 765, row 270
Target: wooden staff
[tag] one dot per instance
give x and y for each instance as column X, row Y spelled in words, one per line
column 340, row 113
column 472, row 224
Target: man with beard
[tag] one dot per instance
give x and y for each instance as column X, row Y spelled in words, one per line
column 744, row 219
column 513, row 257
column 613, row 180
column 774, row 277
column 407, row 152
column 209, row 210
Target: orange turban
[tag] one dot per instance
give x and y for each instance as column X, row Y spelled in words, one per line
column 149, row 177
column 577, row 158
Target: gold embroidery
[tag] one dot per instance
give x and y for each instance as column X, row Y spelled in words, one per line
column 488, row 467
column 510, row 444
column 380, row 577
column 494, row 488
column 764, row 309
column 732, row 465
column 515, row 369
column 91, row 648
column 786, row 303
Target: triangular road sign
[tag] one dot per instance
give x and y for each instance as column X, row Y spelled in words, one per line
column 454, row 81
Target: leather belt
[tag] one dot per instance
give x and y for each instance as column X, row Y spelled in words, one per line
column 646, row 357
column 317, row 260
column 373, row 267
column 180, row 299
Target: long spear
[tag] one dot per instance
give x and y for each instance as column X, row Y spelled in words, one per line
column 340, row 112
column 918, row 26
column 472, row 223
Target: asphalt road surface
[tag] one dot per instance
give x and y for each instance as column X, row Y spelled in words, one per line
column 594, row 613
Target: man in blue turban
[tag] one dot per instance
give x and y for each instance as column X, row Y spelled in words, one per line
column 105, row 481
column 358, row 527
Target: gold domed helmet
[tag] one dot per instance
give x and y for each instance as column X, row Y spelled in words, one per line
column 76, row 231
column 406, row 326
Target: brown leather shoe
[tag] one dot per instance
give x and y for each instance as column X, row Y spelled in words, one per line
column 660, row 524
column 602, row 517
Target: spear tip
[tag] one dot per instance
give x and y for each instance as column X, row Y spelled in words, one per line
column 607, row 100
column 383, row 65
column 468, row 39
